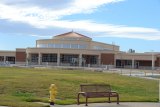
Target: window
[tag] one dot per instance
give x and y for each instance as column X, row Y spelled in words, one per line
column 34, row 57
column 82, row 46
column 93, row 59
column 74, row 46
column 128, row 62
column 69, row 58
column 1, row 58
column 10, row 59
column 66, row 46
column 49, row 58
column 98, row 48
column 57, row 45
column 51, row 45
column 42, row 45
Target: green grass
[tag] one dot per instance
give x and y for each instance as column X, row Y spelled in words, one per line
column 25, row 86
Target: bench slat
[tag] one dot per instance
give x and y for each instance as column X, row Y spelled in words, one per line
column 95, row 88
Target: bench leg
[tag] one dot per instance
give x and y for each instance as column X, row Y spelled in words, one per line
column 109, row 99
column 78, row 99
column 86, row 101
column 117, row 99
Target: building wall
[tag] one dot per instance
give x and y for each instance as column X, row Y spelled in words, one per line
column 135, row 56
column 157, row 62
column 105, row 53
column 20, row 56
column 103, row 46
column 89, row 44
column 7, row 53
column 107, row 59
column 61, row 50
column 7, row 57
column 145, row 63
column 72, row 35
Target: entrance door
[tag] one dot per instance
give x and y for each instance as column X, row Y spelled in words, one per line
column 137, row 64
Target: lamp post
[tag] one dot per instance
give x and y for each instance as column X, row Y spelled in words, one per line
column 159, row 90
column 152, row 62
column 121, row 63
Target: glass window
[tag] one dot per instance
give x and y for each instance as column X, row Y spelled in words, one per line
column 82, row 46
column 72, row 59
column 34, row 57
column 51, row 45
column 1, row 58
column 57, row 45
column 38, row 45
column 66, row 46
column 42, row 45
column 49, row 57
column 93, row 59
column 98, row 48
column 74, row 46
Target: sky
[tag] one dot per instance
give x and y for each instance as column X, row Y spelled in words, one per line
column 131, row 24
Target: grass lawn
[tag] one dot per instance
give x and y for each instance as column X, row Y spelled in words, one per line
column 20, row 87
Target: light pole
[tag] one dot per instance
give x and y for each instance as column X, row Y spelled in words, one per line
column 132, row 63
column 121, row 63
column 159, row 90
column 152, row 62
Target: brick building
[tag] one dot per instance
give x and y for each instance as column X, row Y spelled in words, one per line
column 74, row 49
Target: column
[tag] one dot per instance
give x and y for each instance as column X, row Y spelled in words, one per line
column 159, row 62
column 39, row 59
column 115, row 59
column 58, row 59
column 4, row 59
column 99, row 60
column 80, row 60
column 132, row 63
column 153, row 61
column 27, row 59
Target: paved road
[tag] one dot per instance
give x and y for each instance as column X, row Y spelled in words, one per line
column 126, row 104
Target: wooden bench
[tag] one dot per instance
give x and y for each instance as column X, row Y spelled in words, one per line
column 97, row 91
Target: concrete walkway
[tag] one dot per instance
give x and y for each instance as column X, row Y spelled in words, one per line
column 124, row 104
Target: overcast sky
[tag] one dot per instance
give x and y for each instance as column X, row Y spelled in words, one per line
column 128, row 23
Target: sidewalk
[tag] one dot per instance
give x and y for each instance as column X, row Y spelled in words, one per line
column 123, row 104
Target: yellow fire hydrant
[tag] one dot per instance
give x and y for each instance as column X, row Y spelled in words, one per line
column 53, row 93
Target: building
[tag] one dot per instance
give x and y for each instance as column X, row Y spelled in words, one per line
column 74, row 49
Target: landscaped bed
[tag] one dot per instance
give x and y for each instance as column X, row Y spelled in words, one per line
column 25, row 86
